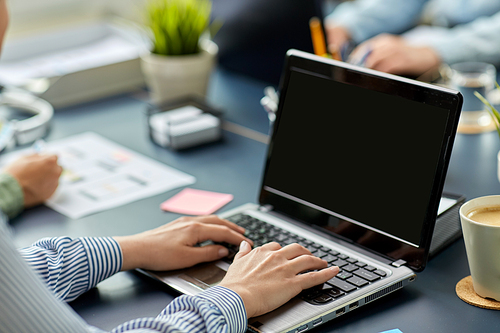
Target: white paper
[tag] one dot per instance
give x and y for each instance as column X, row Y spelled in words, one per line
column 445, row 204
column 100, row 174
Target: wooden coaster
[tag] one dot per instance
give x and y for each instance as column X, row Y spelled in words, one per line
column 466, row 292
column 475, row 129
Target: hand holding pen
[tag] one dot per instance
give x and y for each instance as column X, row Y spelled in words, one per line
column 393, row 54
column 37, row 175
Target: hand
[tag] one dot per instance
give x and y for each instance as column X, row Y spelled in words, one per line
column 268, row 276
column 392, row 54
column 336, row 36
column 172, row 246
column 38, row 176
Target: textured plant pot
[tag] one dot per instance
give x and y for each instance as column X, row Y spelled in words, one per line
column 171, row 77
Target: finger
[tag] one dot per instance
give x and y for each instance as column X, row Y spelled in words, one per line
column 220, row 233
column 209, row 253
column 359, row 52
column 50, row 157
column 272, row 246
column 294, row 250
column 245, row 249
column 306, row 262
column 311, row 279
column 214, row 219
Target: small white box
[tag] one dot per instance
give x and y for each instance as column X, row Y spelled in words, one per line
column 184, row 127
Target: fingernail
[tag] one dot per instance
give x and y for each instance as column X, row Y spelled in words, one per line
column 335, row 269
column 244, row 246
column 223, row 252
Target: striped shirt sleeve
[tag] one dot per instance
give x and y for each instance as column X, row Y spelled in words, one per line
column 217, row 309
column 25, row 304
column 69, row 267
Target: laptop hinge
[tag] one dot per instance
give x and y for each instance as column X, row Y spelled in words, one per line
column 266, row 208
column 399, row 263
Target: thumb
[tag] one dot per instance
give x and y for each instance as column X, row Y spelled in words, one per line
column 210, row 252
column 245, row 248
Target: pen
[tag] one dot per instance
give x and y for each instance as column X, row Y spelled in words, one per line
column 39, row 146
column 361, row 61
column 317, row 36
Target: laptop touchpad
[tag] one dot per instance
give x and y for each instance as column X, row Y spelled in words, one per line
column 204, row 276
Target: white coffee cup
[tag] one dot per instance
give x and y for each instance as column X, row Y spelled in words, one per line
column 482, row 243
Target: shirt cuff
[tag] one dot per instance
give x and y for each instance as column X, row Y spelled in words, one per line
column 11, row 195
column 104, row 256
column 230, row 305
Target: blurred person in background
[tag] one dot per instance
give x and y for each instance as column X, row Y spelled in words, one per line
column 411, row 37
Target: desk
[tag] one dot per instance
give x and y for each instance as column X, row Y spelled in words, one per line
column 234, row 166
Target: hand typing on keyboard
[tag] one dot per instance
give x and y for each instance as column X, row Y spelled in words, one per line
column 173, row 245
column 268, row 276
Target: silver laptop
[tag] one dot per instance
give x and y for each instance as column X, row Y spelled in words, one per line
column 354, row 172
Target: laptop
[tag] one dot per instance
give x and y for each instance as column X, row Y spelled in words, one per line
column 354, row 172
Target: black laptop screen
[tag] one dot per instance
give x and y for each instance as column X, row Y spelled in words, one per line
column 357, row 154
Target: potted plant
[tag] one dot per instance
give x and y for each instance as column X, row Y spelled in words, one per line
column 495, row 114
column 182, row 55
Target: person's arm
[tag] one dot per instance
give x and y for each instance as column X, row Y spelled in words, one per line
column 364, row 19
column 478, row 40
column 217, row 309
column 70, row 267
column 26, row 305
column 27, row 182
column 11, row 195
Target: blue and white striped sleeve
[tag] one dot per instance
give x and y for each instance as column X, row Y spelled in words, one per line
column 69, row 267
column 217, row 309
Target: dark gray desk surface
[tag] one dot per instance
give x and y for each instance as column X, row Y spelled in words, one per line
column 234, row 166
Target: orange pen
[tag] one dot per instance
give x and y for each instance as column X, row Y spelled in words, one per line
column 318, row 39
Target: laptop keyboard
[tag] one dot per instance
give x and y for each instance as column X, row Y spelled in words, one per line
column 353, row 274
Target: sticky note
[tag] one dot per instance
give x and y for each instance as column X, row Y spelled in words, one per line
column 196, row 202
column 392, row 331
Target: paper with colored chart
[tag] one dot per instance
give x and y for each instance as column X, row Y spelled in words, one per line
column 100, row 174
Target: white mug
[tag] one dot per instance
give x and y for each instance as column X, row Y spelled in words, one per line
column 482, row 243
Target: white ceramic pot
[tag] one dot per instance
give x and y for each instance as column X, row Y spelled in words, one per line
column 170, row 77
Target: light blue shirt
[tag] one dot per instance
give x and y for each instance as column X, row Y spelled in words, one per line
column 461, row 30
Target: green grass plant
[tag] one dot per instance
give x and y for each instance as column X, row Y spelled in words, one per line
column 177, row 25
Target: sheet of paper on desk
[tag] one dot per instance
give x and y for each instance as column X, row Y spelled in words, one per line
column 100, row 174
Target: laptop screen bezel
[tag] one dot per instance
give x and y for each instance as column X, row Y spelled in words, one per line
column 400, row 86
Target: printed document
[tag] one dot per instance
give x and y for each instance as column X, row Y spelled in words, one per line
column 99, row 174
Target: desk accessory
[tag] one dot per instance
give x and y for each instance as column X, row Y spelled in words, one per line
column 471, row 78
column 184, row 123
column 182, row 57
column 20, row 132
column 76, row 64
column 447, row 228
column 465, row 291
column 480, row 218
column 196, row 202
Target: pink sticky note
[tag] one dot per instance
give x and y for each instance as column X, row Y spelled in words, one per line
column 196, row 202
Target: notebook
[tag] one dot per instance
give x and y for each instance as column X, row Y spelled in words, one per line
column 354, row 172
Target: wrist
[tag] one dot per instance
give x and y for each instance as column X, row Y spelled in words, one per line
column 131, row 254
column 245, row 296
